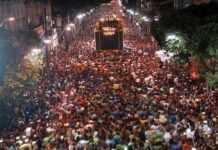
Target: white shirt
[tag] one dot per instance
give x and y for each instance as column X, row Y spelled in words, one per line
column 167, row 137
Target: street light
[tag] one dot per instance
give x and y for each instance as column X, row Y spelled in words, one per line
column 136, row 13
column 68, row 28
column 10, row 19
column 130, row 11
column 80, row 16
column 92, row 10
column 156, row 18
column 72, row 25
column 47, row 42
column 146, row 19
column 172, row 36
column 137, row 24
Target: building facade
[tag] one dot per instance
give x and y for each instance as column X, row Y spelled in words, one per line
column 25, row 13
column 149, row 5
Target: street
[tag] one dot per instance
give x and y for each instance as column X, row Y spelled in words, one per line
column 116, row 99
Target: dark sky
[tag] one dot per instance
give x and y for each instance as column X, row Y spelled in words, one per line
column 67, row 6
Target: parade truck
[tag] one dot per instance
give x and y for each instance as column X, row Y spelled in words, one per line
column 109, row 34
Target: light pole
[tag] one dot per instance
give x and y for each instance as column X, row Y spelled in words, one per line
column 47, row 43
column 69, row 30
column 80, row 17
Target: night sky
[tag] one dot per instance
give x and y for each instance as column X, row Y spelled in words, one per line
column 66, row 6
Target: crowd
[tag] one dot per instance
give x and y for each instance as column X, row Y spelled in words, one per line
column 123, row 100
column 118, row 99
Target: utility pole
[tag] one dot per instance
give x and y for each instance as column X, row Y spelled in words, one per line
column 46, row 35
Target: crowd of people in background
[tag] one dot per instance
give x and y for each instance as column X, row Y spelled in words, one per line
column 120, row 99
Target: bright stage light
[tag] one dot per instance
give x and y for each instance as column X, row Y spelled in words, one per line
column 80, row 16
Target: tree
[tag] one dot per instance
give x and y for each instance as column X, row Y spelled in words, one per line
column 16, row 83
column 7, row 51
column 17, row 79
column 198, row 35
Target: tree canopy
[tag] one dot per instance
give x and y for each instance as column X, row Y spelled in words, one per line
column 196, row 29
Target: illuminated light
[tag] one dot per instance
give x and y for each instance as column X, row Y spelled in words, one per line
column 35, row 51
column 108, row 31
column 114, row 16
column 156, row 18
column 80, row 16
column 92, row 10
column 136, row 13
column 194, row 70
column 47, row 41
column 35, row 56
column 146, row 19
column 72, row 25
column 130, row 11
column 137, row 24
column 11, row 19
column 194, row 76
column 119, row 2
column 68, row 28
column 171, row 37
column 102, row 19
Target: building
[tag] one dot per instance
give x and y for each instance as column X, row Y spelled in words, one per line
column 148, row 5
column 19, row 14
column 198, row 2
column 151, row 5
column 180, row 4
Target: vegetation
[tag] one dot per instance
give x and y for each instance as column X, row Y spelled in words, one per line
column 17, row 74
column 16, row 83
column 195, row 31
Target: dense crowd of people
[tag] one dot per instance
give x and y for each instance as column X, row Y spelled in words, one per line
column 119, row 99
